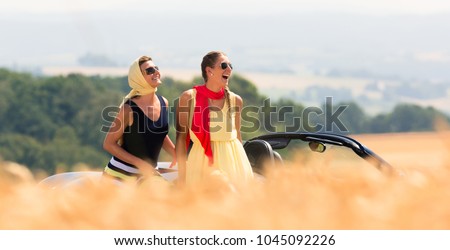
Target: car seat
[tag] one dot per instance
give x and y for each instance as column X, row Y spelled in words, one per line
column 277, row 158
column 260, row 153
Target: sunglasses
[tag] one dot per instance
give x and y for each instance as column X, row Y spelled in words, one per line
column 224, row 65
column 151, row 70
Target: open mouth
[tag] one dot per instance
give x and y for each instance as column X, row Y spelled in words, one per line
column 225, row 77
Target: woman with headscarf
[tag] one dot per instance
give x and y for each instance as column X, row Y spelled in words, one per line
column 209, row 116
column 140, row 129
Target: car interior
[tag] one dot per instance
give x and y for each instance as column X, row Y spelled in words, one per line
column 260, row 154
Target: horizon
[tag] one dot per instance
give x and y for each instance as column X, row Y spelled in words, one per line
column 387, row 37
column 385, row 43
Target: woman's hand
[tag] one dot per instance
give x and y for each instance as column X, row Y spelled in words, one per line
column 174, row 162
column 147, row 169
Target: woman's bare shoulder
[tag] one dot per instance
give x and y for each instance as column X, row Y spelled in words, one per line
column 187, row 95
column 237, row 98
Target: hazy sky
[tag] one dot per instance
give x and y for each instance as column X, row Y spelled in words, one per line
column 388, row 37
column 356, row 6
column 407, row 40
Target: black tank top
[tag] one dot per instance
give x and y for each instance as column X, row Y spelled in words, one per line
column 145, row 137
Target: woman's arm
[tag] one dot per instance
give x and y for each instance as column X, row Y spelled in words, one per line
column 237, row 119
column 182, row 121
column 168, row 145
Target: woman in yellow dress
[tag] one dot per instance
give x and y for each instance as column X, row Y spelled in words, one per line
column 209, row 116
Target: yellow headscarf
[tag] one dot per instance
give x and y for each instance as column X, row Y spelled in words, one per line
column 137, row 82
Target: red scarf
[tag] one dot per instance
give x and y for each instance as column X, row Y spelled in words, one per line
column 200, row 118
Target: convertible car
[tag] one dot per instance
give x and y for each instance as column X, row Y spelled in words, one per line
column 272, row 150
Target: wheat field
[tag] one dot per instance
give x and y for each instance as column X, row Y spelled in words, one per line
column 298, row 196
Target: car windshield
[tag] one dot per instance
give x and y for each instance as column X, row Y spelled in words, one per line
column 325, row 155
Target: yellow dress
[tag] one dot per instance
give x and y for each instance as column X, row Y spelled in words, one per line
column 229, row 155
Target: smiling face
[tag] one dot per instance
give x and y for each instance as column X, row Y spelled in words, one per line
column 151, row 73
column 221, row 70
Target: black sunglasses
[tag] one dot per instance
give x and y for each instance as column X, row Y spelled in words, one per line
column 224, row 65
column 151, row 70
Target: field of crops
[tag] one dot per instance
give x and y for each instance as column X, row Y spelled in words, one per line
column 298, row 196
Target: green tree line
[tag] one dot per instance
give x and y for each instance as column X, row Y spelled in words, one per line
column 55, row 122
